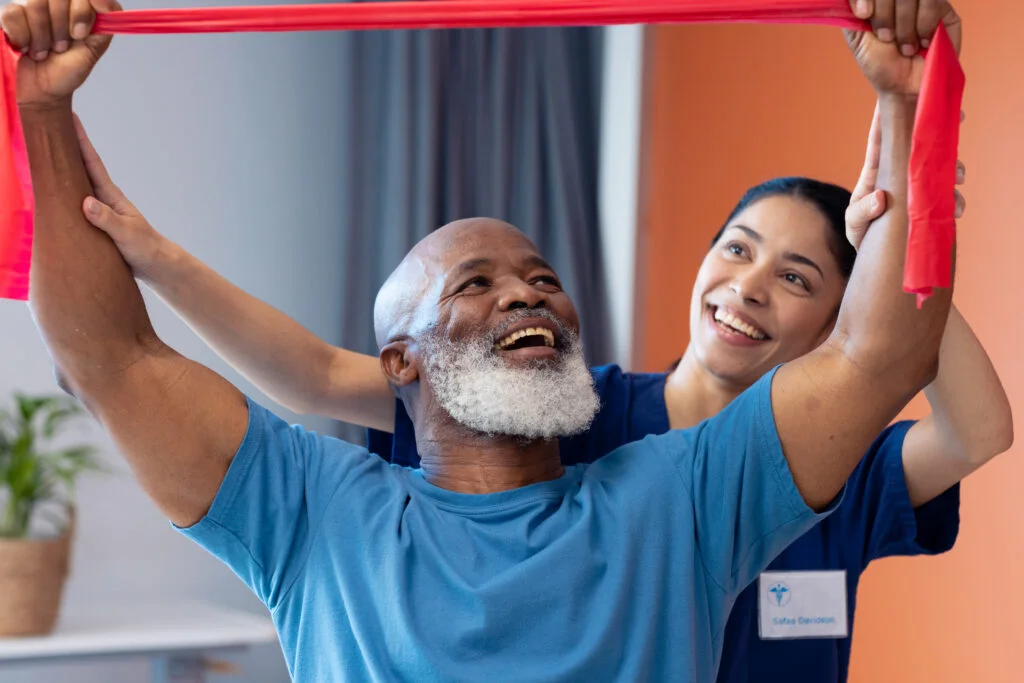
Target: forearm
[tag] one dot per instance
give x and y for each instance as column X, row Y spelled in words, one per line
column 880, row 330
column 274, row 352
column 970, row 409
column 83, row 296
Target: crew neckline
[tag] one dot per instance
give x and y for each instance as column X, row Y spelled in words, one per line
column 554, row 488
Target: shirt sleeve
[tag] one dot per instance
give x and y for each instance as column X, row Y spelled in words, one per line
column 877, row 519
column 270, row 505
column 746, row 506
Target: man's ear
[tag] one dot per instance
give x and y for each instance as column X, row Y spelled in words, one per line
column 398, row 364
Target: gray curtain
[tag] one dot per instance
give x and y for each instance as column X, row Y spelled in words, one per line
column 451, row 124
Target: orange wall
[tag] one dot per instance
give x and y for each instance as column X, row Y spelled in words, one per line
column 767, row 101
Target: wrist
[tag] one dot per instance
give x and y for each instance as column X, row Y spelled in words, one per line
column 168, row 259
column 49, row 109
column 897, row 105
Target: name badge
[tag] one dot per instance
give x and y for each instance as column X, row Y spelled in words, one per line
column 802, row 605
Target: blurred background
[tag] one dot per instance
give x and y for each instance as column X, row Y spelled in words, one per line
column 302, row 166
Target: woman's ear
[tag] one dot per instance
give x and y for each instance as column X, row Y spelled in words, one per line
column 398, row 364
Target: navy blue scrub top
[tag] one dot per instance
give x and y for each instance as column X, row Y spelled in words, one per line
column 875, row 520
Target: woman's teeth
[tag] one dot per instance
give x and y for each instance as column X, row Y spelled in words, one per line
column 734, row 323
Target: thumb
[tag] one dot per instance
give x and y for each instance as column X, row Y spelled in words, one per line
column 98, row 42
column 861, row 213
column 103, row 187
column 101, row 216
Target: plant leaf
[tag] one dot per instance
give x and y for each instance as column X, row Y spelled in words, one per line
column 31, row 473
column 59, row 414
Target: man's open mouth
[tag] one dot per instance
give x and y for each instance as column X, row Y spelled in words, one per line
column 526, row 338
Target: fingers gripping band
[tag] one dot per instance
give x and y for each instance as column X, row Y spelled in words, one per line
column 936, row 129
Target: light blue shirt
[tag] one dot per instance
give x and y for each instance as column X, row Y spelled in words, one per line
column 621, row 570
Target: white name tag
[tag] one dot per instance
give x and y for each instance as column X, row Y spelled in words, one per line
column 802, row 605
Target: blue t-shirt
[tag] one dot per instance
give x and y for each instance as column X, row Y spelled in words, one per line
column 621, row 570
column 875, row 520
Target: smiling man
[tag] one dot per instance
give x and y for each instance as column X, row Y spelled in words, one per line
column 492, row 561
column 517, row 369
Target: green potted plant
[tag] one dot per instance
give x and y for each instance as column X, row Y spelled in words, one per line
column 37, row 512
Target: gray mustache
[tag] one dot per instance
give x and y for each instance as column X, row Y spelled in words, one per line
column 521, row 314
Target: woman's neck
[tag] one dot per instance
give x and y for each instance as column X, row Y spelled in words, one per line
column 692, row 394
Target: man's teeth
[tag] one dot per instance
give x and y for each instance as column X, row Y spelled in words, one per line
column 737, row 324
column 548, row 335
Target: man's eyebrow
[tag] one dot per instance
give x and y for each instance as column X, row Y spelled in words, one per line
column 470, row 266
column 535, row 261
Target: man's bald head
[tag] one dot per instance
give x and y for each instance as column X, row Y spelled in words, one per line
column 399, row 309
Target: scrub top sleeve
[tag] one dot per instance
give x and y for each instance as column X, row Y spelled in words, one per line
column 878, row 520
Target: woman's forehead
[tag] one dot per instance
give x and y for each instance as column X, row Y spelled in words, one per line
column 785, row 223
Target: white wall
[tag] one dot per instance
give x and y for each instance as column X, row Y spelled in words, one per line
column 620, row 163
column 226, row 143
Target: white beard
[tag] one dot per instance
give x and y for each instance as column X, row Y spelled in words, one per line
column 480, row 391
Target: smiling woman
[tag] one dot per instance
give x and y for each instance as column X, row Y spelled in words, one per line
column 769, row 288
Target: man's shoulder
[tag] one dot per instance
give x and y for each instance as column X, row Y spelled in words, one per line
column 269, row 431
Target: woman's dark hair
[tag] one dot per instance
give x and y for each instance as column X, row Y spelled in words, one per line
column 831, row 200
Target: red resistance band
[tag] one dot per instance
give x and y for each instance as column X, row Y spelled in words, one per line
column 934, row 146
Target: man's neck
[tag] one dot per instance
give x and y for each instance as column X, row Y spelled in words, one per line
column 466, row 462
column 693, row 395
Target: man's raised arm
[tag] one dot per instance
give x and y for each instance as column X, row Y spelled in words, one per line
column 177, row 423
column 831, row 404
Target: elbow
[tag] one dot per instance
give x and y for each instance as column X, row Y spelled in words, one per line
column 84, row 375
column 63, row 381
column 1003, row 434
column 998, row 438
column 905, row 374
column 993, row 438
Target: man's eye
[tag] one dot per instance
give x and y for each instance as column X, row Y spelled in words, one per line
column 548, row 280
column 475, row 282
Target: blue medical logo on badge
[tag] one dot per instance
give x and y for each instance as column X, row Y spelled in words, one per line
column 781, row 594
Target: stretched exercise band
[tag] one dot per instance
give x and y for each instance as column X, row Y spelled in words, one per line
column 936, row 128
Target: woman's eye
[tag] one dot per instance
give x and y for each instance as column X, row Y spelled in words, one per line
column 736, row 249
column 797, row 280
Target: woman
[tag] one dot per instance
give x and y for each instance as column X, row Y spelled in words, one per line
column 767, row 292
